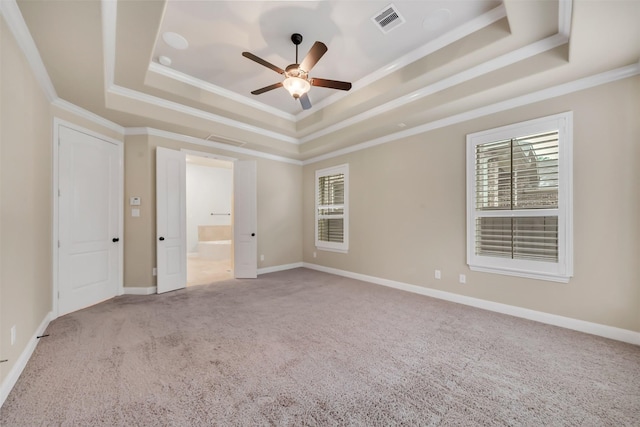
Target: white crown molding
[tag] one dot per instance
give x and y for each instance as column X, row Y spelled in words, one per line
column 541, row 95
column 598, row 329
column 510, row 58
column 212, row 144
column 446, row 39
column 13, row 375
column 195, row 112
column 13, row 17
column 79, row 111
column 109, row 22
column 565, row 8
column 217, row 90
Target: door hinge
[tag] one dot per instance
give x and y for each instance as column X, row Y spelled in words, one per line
column 59, row 193
column 58, row 243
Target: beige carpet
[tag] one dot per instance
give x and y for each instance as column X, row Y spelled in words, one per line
column 306, row 348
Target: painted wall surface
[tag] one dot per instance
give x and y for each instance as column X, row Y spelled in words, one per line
column 279, row 207
column 408, row 211
column 26, row 208
column 209, row 197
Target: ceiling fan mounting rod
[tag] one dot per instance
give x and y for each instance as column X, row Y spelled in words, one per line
column 296, row 39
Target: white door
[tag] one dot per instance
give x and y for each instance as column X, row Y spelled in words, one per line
column 89, row 197
column 171, row 219
column 245, row 222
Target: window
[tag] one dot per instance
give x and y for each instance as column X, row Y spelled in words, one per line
column 332, row 208
column 519, row 213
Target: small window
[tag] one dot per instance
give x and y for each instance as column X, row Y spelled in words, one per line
column 332, row 209
column 519, row 199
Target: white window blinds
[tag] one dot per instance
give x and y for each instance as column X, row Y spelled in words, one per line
column 331, row 208
column 518, row 199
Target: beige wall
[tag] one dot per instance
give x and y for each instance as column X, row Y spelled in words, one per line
column 407, row 201
column 279, row 208
column 25, row 192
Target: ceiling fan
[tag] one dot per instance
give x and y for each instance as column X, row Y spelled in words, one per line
column 297, row 80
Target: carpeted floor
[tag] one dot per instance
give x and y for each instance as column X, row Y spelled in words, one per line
column 301, row 347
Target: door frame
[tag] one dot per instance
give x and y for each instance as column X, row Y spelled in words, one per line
column 57, row 122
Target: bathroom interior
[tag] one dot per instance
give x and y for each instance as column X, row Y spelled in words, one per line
column 209, row 220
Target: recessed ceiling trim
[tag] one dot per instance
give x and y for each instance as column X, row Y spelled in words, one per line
column 446, row 39
column 13, row 17
column 530, row 98
column 212, row 144
column 217, row 90
column 109, row 11
column 565, row 8
column 81, row 112
column 484, row 68
column 195, row 112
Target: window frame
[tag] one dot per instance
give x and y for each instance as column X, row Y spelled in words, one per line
column 562, row 270
column 342, row 247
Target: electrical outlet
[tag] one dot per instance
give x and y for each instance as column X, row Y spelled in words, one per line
column 438, row 274
column 315, row 254
column 13, row 334
column 463, row 278
column 154, row 271
column 261, row 257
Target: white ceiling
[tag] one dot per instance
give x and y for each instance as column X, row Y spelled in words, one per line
column 219, row 31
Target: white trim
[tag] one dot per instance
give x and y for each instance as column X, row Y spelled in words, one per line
column 109, row 17
column 565, row 7
column 217, row 90
column 57, row 122
column 81, row 112
column 13, row 375
column 541, row 95
column 140, row 290
column 195, row 112
column 598, row 329
column 208, row 155
column 15, row 21
column 282, row 267
column 212, row 144
column 446, row 83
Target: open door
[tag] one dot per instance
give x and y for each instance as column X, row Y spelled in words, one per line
column 171, row 219
column 245, row 222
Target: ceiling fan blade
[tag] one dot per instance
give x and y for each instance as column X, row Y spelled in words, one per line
column 332, row 84
column 261, row 61
column 266, row 88
column 305, row 102
column 315, row 53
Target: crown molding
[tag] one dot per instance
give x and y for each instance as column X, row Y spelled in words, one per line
column 13, row 17
column 505, row 60
column 217, row 90
column 212, row 144
column 81, row 112
column 195, row 112
column 565, row 7
column 541, row 95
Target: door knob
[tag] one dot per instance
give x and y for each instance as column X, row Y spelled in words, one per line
column 161, row 238
column 253, row 234
column 115, row 239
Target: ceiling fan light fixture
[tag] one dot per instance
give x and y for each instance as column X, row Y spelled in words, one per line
column 296, row 86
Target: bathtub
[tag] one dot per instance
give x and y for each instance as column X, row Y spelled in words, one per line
column 216, row 250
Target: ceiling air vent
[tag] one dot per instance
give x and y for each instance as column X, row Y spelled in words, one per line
column 388, row 19
column 222, row 140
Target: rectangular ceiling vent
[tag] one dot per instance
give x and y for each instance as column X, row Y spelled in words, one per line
column 388, row 19
column 222, row 140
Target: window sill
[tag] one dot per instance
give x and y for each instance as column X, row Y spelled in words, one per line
column 525, row 274
column 341, row 251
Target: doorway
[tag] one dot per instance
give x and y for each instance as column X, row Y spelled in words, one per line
column 209, row 198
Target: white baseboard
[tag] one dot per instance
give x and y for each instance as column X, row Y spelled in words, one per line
column 282, row 267
column 142, row 290
column 21, row 362
column 611, row 332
